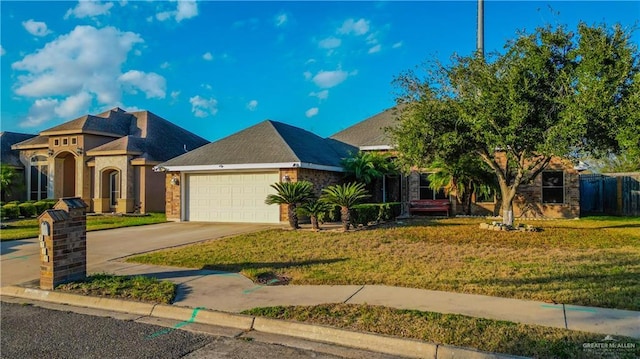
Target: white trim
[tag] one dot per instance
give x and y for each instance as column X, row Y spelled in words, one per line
column 246, row 166
column 375, row 148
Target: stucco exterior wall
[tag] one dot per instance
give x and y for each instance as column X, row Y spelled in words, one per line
column 121, row 163
column 152, row 190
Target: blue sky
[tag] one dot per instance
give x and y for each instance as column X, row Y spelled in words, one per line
column 215, row 68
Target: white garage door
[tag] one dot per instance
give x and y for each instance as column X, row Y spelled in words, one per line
column 231, row 197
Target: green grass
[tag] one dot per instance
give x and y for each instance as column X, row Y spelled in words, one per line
column 28, row 228
column 137, row 288
column 592, row 262
column 452, row 329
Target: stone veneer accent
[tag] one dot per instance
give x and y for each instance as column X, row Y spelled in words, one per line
column 63, row 246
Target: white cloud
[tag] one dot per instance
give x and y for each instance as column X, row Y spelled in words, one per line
column 89, row 8
column 372, row 39
column 174, row 95
column 2, row 51
column 207, row 56
column 359, row 27
column 80, row 66
column 152, row 84
column 165, row 65
column 74, row 105
column 202, row 107
column 321, row 95
column 375, row 49
column 36, row 28
column 397, row 45
column 330, row 43
column 310, row 61
column 281, row 20
column 311, row 112
column 307, row 75
column 185, row 9
column 328, row 79
column 41, row 111
column 252, row 105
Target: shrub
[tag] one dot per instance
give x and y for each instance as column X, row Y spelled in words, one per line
column 42, row 206
column 10, row 211
column 363, row 214
column 27, row 210
column 374, row 212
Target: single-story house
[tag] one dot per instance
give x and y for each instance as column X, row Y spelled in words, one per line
column 229, row 180
column 11, row 159
column 105, row 159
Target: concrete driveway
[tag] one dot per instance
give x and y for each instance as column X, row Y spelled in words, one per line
column 20, row 260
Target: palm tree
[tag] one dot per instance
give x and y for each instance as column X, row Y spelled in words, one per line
column 316, row 210
column 291, row 193
column 369, row 167
column 345, row 196
column 462, row 178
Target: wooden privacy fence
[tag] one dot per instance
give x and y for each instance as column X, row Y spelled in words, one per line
column 610, row 193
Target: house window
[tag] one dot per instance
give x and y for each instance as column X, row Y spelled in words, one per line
column 38, row 179
column 426, row 192
column 74, row 141
column 553, row 187
column 65, row 141
column 56, row 142
column 114, row 188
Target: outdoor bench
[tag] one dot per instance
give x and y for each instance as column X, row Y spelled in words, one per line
column 429, row 205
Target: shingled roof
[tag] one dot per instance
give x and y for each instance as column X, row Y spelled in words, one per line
column 371, row 133
column 7, row 139
column 269, row 143
column 140, row 133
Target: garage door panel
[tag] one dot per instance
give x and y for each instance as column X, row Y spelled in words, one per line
column 231, row 197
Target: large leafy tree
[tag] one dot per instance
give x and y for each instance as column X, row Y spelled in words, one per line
column 550, row 93
column 345, row 196
column 291, row 194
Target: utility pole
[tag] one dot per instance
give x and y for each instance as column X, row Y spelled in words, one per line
column 480, row 38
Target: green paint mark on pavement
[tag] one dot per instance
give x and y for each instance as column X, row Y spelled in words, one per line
column 251, row 290
column 179, row 325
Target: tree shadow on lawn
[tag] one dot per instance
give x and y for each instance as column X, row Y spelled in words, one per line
column 239, row 267
column 619, row 290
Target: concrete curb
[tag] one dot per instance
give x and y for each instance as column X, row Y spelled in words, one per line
column 374, row 342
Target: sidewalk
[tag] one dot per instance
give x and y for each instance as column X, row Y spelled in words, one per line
column 231, row 292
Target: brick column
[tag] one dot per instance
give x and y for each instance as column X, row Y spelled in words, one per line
column 63, row 243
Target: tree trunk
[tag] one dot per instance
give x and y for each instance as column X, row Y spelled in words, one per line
column 345, row 216
column 314, row 223
column 293, row 216
column 507, row 211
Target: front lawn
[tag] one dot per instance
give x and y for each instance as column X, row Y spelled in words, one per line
column 593, row 262
column 453, row 329
column 28, row 228
column 139, row 288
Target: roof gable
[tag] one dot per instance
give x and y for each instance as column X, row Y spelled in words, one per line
column 372, row 131
column 268, row 142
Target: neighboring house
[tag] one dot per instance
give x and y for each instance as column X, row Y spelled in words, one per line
column 229, row 180
column 106, row 160
column 11, row 159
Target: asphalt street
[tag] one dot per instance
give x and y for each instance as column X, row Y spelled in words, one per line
column 31, row 332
